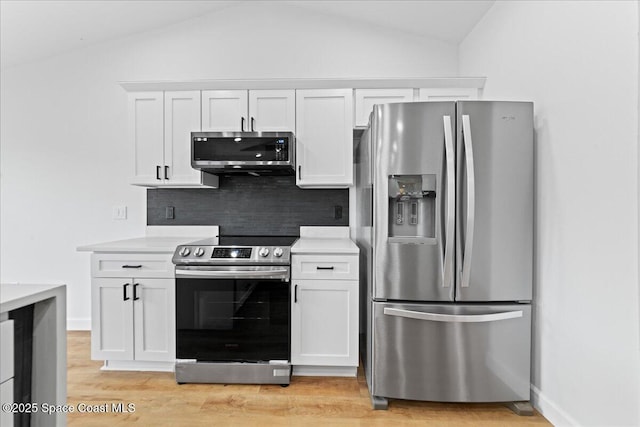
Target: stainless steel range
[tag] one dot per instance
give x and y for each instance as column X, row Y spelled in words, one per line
column 233, row 310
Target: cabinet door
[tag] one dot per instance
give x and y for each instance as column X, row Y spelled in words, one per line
column 112, row 319
column 6, row 396
column 224, row 111
column 324, row 323
column 367, row 98
column 447, row 94
column 272, row 110
column 181, row 117
column 146, row 133
column 154, row 319
column 324, row 140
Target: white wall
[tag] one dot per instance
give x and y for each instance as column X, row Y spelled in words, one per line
column 65, row 160
column 578, row 61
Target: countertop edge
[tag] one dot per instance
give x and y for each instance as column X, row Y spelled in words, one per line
column 332, row 246
column 28, row 294
column 157, row 244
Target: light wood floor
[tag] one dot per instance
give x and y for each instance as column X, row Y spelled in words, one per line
column 308, row 401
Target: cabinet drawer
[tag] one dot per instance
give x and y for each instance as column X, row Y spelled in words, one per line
column 131, row 265
column 325, row 267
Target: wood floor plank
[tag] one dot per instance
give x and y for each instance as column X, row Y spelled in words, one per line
column 308, row 401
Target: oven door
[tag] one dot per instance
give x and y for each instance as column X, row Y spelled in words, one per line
column 232, row 314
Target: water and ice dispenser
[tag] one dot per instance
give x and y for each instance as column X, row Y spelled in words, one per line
column 412, row 208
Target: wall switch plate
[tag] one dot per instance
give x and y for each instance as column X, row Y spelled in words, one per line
column 119, row 212
column 170, row 212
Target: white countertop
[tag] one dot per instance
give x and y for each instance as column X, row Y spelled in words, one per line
column 49, row 343
column 14, row 296
column 140, row 244
column 158, row 239
column 316, row 245
column 329, row 240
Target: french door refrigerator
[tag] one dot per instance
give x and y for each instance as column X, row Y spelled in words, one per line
column 444, row 192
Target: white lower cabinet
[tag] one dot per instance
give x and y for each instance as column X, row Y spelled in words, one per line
column 324, row 315
column 6, row 370
column 324, row 323
column 6, row 396
column 133, row 319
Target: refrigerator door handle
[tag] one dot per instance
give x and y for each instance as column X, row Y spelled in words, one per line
column 471, row 194
column 453, row 318
column 449, row 226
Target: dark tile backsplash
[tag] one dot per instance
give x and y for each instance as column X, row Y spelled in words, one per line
column 250, row 205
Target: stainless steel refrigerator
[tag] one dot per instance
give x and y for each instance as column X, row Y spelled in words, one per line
column 444, row 193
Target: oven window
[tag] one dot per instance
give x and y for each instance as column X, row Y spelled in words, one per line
column 246, row 149
column 220, row 320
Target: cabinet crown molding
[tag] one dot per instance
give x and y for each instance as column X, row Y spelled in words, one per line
column 343, row 83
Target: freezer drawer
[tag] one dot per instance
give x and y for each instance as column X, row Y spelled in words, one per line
column 452, row 353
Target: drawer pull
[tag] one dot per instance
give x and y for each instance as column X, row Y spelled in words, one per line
column 324, row 268
column 132, row 266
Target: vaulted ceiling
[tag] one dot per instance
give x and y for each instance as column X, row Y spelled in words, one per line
column 31, row 30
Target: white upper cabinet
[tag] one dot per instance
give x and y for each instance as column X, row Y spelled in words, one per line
column 248, row 110
column 224, row 110
column 365, row 99
column 447, row 94
column 324, row 138
column 181, row 117
column 160, row 126
column 146, row 132
column 272, row 110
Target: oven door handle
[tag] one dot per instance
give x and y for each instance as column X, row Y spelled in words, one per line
column 233, row 274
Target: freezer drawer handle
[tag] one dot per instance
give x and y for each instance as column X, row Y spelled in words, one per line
column 453, row 318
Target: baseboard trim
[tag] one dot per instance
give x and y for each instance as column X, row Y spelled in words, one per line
column 325, row 371
column 79, row 324
column 550, row 410
column 137, row 365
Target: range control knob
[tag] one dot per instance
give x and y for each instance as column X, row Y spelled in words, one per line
column 199, row 252
column 277, row 252
column 263, row 252
column 184, row 251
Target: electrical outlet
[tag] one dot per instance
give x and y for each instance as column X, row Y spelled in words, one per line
column 170, row 212
column 119, row 212
column 337, row 212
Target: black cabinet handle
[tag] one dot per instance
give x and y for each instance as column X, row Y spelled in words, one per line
column 135, row 292
column 295, row 294
column 132, row 266
column 252, row 122
column 124, row 292
column 158, row 173
column 324, row 268
column 242, row 124
column 166, row 172
column 299, row 171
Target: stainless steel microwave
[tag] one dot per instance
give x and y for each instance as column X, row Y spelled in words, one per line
column 243, row 152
